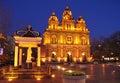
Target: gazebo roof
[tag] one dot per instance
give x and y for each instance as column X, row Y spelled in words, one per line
column 28, row 32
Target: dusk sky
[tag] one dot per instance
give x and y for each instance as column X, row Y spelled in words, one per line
column 102, row 16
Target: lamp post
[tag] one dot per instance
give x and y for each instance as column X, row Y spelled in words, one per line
column 111, row 56
column 103, row 58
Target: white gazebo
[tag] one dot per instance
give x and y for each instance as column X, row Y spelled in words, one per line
column 26, row 39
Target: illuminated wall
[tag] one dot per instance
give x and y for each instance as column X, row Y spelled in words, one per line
column 68, row 39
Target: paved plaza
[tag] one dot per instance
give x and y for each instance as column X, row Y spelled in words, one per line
column 95, row 73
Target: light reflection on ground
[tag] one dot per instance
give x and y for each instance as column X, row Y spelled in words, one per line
column 95, row 73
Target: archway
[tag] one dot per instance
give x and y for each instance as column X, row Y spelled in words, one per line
column 84, row 57
column 69, row 57
column 54, row 57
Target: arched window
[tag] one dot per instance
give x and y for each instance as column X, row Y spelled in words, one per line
column 83, row 40
column 69, row 57
column 54, row 57
column 54, row 39
column 84, row 57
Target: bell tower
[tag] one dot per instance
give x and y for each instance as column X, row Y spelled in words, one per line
column 53, row 21
column 81, row 25
column 67, row 19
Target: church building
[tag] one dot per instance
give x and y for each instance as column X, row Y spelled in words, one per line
column 66, row 41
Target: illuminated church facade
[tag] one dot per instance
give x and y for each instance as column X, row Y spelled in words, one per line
column 66, row 41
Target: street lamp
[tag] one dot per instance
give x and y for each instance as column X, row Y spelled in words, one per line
column 103, row 58
column 99, row 45
column 111, row 53
column 111, row 58
column 83, row 54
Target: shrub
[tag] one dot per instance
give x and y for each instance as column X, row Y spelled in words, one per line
column 74, row 73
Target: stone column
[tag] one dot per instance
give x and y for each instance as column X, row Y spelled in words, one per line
column 29, row 55
column 20, row 57
column 28, row 61
column 61, row 52
column 38, row 56
column 16, row 56
column 77, row 52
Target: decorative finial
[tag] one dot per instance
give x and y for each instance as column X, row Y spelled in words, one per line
column 67, row 7
column 80, row 17
column 53, row 13
column 29, row 27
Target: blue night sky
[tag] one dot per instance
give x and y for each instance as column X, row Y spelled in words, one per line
column 102, row 16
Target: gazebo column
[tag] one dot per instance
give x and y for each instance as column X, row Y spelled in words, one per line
column 16, row 56
column 38, row 56
column 61, row 53
column 28, row 61
column 20, row 57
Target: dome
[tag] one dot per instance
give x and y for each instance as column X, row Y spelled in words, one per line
column 67, row 14
column 80, row 20
column 53, row 17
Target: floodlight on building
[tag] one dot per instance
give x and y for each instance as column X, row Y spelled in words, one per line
column 58, row 59
column 75, row 59
column 53, row 76
column 59, row 67
column 43, row 59
column 38, row 79
column 70, row 71
column 63, row 68
column 10, row 79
